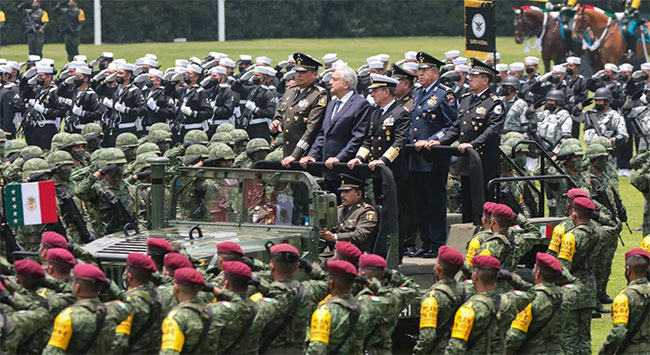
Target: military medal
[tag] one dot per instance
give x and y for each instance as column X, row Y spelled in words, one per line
column 433, row 100
column 481, row 110
column 389, row 121
column 303, row 104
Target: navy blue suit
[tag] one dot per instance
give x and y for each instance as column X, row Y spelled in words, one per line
column 433, row 113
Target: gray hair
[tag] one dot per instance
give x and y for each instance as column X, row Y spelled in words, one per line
column 348, row 75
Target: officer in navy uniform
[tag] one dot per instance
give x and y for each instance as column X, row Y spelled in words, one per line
column 479, row 126
column 434, row 112
column 387, row 135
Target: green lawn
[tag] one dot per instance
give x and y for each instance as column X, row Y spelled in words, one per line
column 353, row 51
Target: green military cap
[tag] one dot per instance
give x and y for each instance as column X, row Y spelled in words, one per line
column 14, row 146
column 126, row 140
column 239, row 135
column 58, row 140
column 94, row 157
column 511, row 143
column 257, row 144
column 225, row 127
column 111, row 156
column 507, row 150
column 570, row 140
column 160, row 126
column 72, row 140
column 275, row 155
column 510, row 135
column 196, row 136
column 59, row 157
column 141, row 162
column 505, row 164
column 595, row 151
column 196, row 150
column 304, row 62
column 221, row 137
column 147, row 148
column 349, row 182
column 35, row 166
column 400, row 73
column 92, row 130
column 31, row 151
column 221, row 151
column 160, row 136
column 604, row 142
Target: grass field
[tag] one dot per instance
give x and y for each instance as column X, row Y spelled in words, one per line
column 354, row 52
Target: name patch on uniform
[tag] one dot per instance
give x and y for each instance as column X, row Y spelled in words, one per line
column 645, row 244
column 568, row 248
column 556, row 238
column 125, row 326
column 320, row 326
column 620, row 309
column 463, row 322
column 472, row 248
column 429, row 313
column 523, row 320
column 486, row 252
column 62, row 330
column 172, row 337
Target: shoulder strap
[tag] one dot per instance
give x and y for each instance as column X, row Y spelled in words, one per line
column 557, row 304
column 354, row 318
column 206, row 318
column 634, row 330
column 296, row 301
column 458, row 302
column 100, row 317
column 493, row 317
column 154, row 310
column 244, row 329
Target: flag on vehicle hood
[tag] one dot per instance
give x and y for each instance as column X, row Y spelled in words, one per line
column 30, row 203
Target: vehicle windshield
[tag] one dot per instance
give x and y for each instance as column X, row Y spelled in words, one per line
column 280, row 200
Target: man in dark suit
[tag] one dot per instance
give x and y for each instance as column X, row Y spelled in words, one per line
column 387, row 135
column 344, row 127
column 478, row 127
column 434, row 111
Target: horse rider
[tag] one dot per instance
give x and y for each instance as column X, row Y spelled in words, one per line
column 567, row 11
column 628, row 24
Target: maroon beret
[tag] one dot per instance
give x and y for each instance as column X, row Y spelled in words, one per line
column 229, row 247
column 548, row 262
column 348, row 250
column 159, row 244
column 61, row 256
column 175, row 261
column 637, row 252
column 54, row 240
column 89, row 272
column 372, row 261
column 140, row 260
column 237, row 269
column 284, row 248
column 29, row 267
column 188, row 275
column 450, row 256
column 488, row 208
column 575, row 192
column 341, row 268
column 486, row 262
column 503, row 212
column 584, row 203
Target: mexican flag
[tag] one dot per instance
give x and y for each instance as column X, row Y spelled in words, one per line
column 30, row 203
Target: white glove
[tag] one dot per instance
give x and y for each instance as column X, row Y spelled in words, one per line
column 107, row 102
column 39, row 107
column 69, row 80
column 31, row 72
column 65, row 101
column 151, row 103
column 250, row 105
column 187, row 111
column 76, row 110
column 31, row 102
column 120, row 107
column 545, row 77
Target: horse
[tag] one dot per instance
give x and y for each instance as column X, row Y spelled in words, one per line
column 601, row 32
column 531, row 21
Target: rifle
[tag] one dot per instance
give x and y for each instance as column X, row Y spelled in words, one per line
column 8, row 236
column 638, row 129
column 600, row 195
column 72, row 215
column 120, row 217
column 32, row 26
column 590, row 120
column 242, row 121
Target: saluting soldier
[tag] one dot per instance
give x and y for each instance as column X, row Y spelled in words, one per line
column 160, row 107
column 195, row 110
column 86, row 108
column 45, row 111
column 629, row 333
column 35, row 22
column 404, row 90
column 73, row 17
column 479, row 125
column 300, row 114
column 602, row 120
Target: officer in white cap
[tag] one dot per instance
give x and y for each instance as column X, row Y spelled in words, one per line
column 261, row 99
column 530, row 78
column 244, row 62
column 86, row 105
column 195, row 109
column 451, row 55
column 104, row 59
column 263, row 61
column 490, row 59
column 576, row 90
column 329, row 59
column 502, row 73
column 9, row 92
column 160, row 107
column 461, row 87
column 223, row 100
column 607, row 78
column 410, row 57
column 45, row 111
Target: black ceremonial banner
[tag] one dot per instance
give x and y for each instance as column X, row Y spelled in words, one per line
column 479, row 28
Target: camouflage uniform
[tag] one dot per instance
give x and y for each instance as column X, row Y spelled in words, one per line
column 516, row 120
column 144, row 321
column 81, row 157
column 641, row 181
column 127, row 142
column 18, row 326
column 12, row 172
column 329, row 325
column 553, row 127
column 240, row 140
column 256, row 150
column 232, row 313
column 640, row 114
column 183, row 327
column 628, row 309
column 610, row 124
column 93, row 134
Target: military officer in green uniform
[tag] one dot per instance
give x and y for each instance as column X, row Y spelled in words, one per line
column 333, row 323
column 73, row 18
column 357, row 219
column 630, row 333
column 88, row 325
column 578, row 262
column 535, row 330
column 440, row 303
column 302, row 109
column 404, row 89
column 35, row 22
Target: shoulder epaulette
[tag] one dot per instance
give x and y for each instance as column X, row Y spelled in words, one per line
column 445, row 87
column 321, row 89
column 466, row 94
